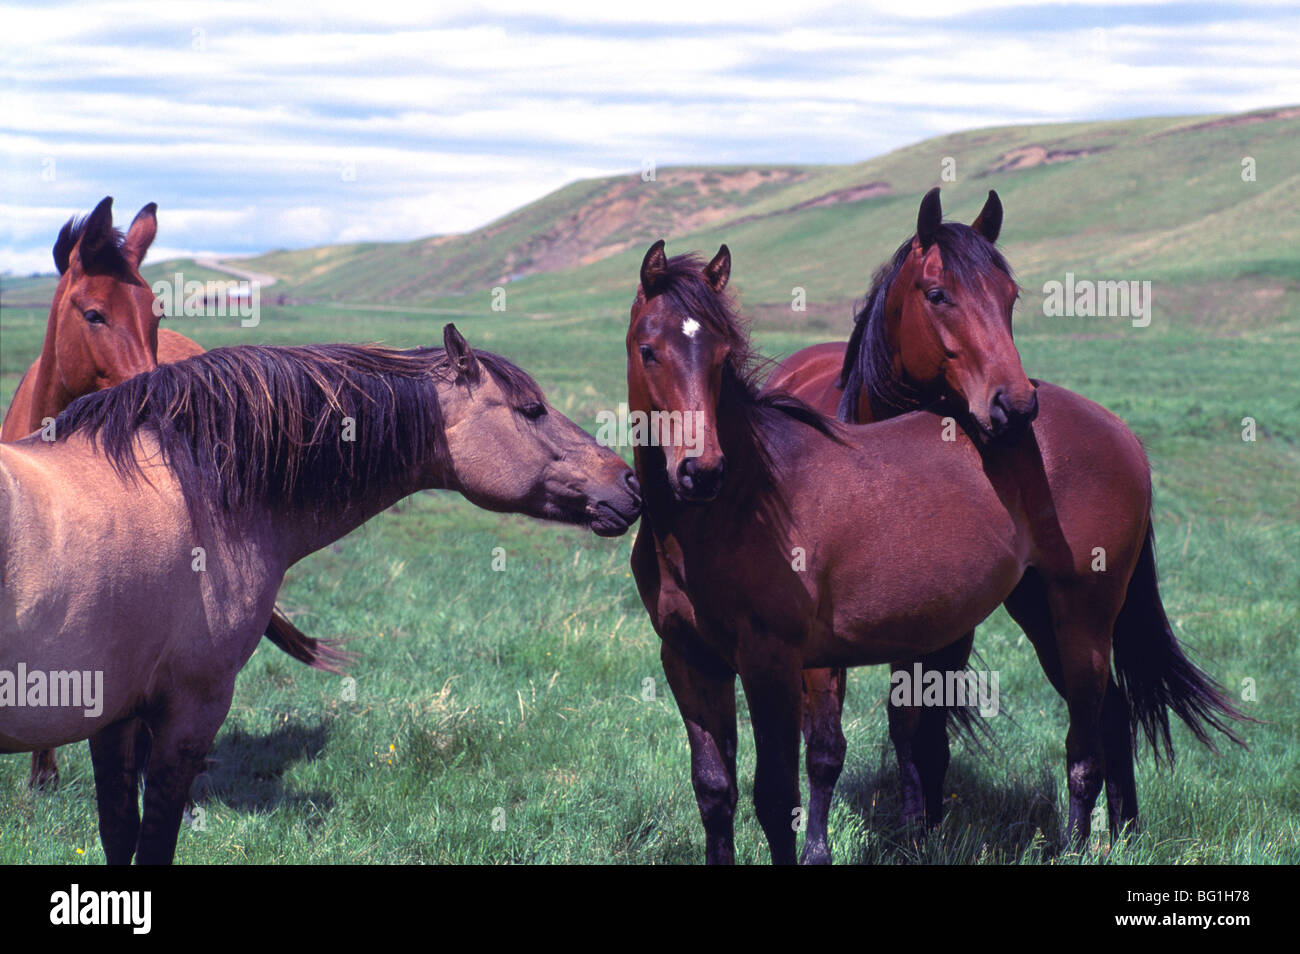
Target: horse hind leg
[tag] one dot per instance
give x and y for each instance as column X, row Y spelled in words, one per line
column 44, row 776
column 1118, row 744
column 1083, row 643
column 1034, row 606
column 825, row 747
column 932, row 752
column 920, row 737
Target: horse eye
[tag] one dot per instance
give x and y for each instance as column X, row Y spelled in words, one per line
column 647, row 354
column 533, row 411
column 935, row 296
column 94, row 317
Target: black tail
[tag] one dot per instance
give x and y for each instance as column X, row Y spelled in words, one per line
column 1155, row 675
column 317, row 653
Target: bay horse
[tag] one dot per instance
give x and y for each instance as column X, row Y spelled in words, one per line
column 783, row 540
column 934, row 332
column 146, row 544
column 103, row 329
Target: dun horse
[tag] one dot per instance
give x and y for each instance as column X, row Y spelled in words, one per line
column 240, row 456
column 102, row 330
column 791, row 542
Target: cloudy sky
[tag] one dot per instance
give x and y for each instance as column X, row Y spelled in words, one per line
column 260, row 126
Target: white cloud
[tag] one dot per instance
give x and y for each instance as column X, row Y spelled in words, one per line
column 256, row 127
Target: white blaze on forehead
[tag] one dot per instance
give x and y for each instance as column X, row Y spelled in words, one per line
column 690, row 327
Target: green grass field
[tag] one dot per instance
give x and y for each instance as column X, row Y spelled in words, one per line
column 501, row 716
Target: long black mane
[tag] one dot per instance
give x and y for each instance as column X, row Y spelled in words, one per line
column 869, row 357
column 257, row 425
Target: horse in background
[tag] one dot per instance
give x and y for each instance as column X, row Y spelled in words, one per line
column 934, row 332
column 103, row 329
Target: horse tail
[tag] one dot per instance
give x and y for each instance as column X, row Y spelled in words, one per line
column 1154, row 674
column 968, row 721
column 318, row 653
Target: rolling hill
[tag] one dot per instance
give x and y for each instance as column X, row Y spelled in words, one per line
column 1163, row 196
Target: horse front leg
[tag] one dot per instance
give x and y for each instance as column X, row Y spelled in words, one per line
column 182, row 737
column 114, row 754
column 774, row 689
column 825, row 746
column 705, row 691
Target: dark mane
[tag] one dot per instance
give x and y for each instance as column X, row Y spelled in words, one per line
column 265, row 425
column 686, row 288
column 868, row 359
column 106, row 256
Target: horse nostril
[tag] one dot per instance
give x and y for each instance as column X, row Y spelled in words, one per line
column 686, row 471
column 700, row 480
column 633, row 485
column 999, row 411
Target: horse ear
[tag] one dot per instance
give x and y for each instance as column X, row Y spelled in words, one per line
column 928, row 219
column 719, row 270
column 97, row 233
column 459, row 353
column 141, row 234
column 653, row 267
column 989, row 222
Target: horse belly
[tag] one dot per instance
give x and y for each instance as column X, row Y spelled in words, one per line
column 914, row 572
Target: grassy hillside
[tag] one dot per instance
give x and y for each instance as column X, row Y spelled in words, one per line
column 522, row 690
column 1162, row 195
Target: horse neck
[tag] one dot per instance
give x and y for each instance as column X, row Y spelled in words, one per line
column 49, row 396
column 298, row 535
column 899, row 393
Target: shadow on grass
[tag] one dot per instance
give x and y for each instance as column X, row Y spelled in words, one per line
column 246, row 770
column 986, row 819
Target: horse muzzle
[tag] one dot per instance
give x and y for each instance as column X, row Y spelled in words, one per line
column 612, row 517
column 697, row 483
column 1009, row 420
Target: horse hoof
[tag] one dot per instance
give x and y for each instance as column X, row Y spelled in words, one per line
column 44, row 782
column 815, row 855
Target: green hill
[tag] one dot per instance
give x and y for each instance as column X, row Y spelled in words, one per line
column 1162, row 197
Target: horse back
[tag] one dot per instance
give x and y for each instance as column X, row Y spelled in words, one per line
column 174, row 346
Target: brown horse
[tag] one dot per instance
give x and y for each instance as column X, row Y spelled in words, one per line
column 784, row 541
column 190, row 490
column 103, row 328
column 934, row 332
